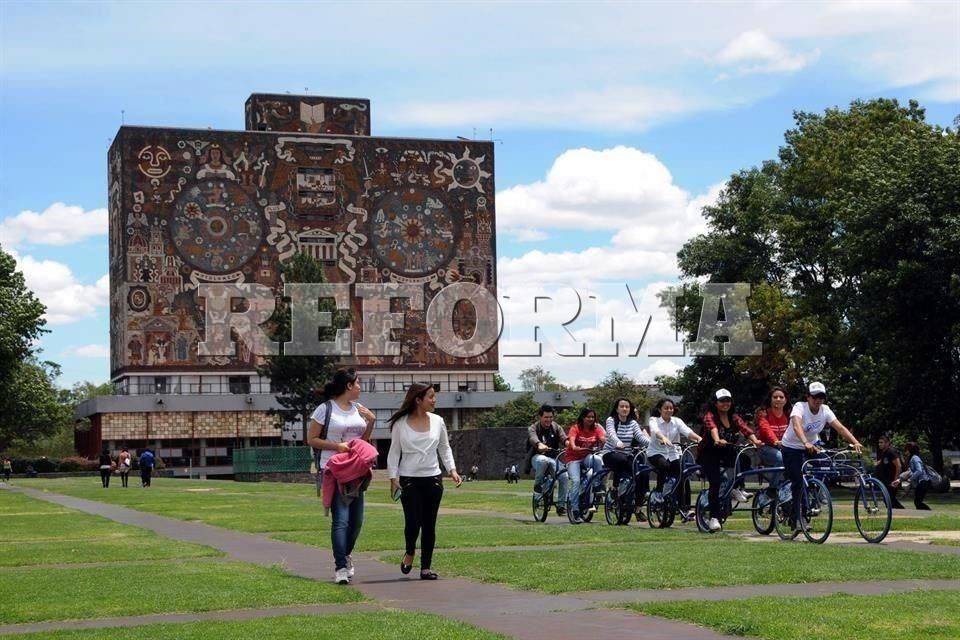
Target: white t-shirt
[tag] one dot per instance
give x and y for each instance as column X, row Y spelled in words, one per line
column 813, row 424
column 672, row 430
column 414, row 453
column 344, row 426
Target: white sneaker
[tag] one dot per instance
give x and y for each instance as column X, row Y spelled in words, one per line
column 591, row 509
column 713, row 524
column 350, row 570
column 342, row 576
column 739, row 495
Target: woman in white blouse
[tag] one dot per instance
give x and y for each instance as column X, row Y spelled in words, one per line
column 417, row 436
column 665, row 432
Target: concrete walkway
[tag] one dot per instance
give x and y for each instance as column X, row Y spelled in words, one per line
column 519, row 614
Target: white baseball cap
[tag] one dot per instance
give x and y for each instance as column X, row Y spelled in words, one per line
column 723, row 393
column 817, row 387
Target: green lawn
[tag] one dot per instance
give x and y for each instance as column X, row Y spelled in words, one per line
column 699, row 562
column 947, row 543
column 28, row 595
column 385, row 625
column 931, row 615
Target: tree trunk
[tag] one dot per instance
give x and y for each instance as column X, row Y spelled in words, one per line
column 936, row 450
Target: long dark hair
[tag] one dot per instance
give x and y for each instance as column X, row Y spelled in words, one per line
column 632, row 416
column 912, row 449
column 655, row 411
column 417, row 391
column 342, row 378
column 583, row 414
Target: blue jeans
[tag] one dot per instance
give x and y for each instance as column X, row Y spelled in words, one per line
column 771, row 457
column 573, row 472
column 540, row 465
column 345, row 524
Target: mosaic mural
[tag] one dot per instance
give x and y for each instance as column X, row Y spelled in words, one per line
column 194, row 206
column 308, row 114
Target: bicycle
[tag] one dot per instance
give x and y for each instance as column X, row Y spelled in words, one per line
column 620, row 502
column 872, row 506
column 591, row 494
column 816, row 513
column 664, row 506
column 543, row 501
column 761, row 504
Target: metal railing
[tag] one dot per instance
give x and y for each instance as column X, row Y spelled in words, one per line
column 250, row 463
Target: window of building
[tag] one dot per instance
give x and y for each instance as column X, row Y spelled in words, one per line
column 160, row 384
column 240, row 384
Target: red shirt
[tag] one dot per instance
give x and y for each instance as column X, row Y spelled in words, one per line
column 587, row 439
column 771, row 427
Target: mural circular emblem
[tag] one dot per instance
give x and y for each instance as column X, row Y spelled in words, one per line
column 216, row 227
column 138, row 299
column 413, row 232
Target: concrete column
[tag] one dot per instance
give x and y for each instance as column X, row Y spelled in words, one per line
column 202, row 460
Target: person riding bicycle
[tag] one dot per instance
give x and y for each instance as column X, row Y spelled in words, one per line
column 807, row 420
column 545, row 440
column 772, row 421
column 662, row 454
column 584, row 439
column 622, row 429
column 722, row 426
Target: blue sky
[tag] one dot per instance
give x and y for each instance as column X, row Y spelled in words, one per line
column 617, row 121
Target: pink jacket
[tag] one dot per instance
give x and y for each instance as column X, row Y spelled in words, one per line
column 341, row 468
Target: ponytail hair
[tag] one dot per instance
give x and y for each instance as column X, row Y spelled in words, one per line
column 338, row 385
column 417, row 391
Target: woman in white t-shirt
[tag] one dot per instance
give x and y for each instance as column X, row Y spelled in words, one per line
column 666, row 430
column 348, row 421
column 417, row 437
column 807, row 420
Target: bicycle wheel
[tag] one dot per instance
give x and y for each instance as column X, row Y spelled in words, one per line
column 656, row 511
column 763, row 513
column 611, row 506
column 572, row 515
column 627, row 507
column 781, row 520
column 872, row 510
column 541, row 506
column 703, row 512
column 818, row 520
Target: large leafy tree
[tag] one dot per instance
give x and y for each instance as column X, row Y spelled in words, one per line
column 539, row 379
column 29, row 407
column 851, row 240
column 614, row 386
column 298, row 380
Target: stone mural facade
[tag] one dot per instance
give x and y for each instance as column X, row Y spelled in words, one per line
column 202, row 206
column 308, row 114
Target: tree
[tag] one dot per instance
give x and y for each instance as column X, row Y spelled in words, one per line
column 298, row 380
column 28, row 398
column 851, row 242
column 537, row 379
column 615, row 385
column 519, row 412
column 499, row 384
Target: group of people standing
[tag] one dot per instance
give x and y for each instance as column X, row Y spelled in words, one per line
column 784, row 437
column 418, row 443
column 122, row 465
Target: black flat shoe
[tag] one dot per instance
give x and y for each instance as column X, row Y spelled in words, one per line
column 405, row 568
column 428, row 575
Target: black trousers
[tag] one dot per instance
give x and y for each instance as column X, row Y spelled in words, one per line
column 919, row 493
column 124, row 477
column 145, row 476
column 670, row 469
column 714, row 461
column 105, row 477
column 620, row 463
column 421, row 501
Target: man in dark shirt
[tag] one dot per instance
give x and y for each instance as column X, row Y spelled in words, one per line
column 545, row 441
column 888, row 468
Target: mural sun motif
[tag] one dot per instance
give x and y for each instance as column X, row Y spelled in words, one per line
column 466, row 172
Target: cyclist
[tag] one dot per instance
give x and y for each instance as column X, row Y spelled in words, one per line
column 622, row 429
column 807, row 420
column 772, row 420
column 584, row 438
column 665, row 430
column 722, row 426
column 545, row 441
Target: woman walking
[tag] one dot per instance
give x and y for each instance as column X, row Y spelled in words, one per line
column 333, row 424
column 417, row 436
column 106, row 468
column 123, row 467
column 919, row 477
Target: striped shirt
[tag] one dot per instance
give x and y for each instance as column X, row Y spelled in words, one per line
column 624, row 433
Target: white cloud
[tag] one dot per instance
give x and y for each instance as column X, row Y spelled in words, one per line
column 756, row 52
column 528, row 235
column 59, row 224
column 89, row 351
column 67, row 300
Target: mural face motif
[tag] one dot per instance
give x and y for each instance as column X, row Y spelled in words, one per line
column 235, row 206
